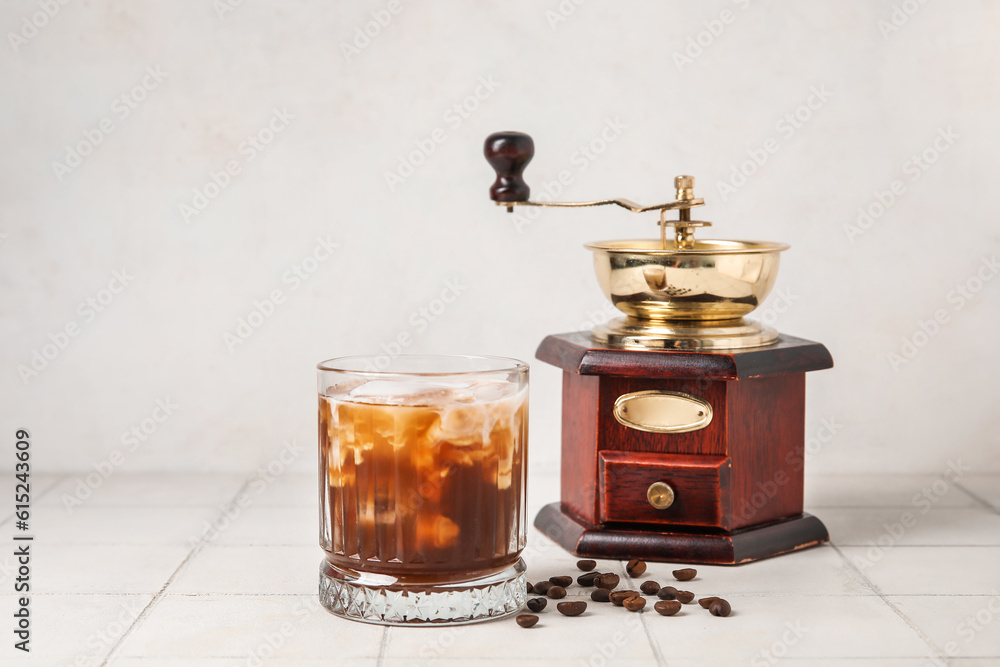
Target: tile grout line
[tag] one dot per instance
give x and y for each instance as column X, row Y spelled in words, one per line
column 938, row 654
column 653, row 644
column 147, row 610
column 51, row 487
column 383, row 647
column 985, row 504
column 59, row 479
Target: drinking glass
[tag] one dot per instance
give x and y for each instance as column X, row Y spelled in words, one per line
column 422, row 487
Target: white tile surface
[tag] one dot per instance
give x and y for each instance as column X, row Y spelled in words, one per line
column 910, row 527
column 818, row 571
column 961, row 626
column 40, row 484
column 294, row 525
column 255, row 576
column 122, row 525
column 601, row 630
column 251, row 570
column 124, row 489
column 120, row 568
column 986, row 487
column 907, row 491
column 40, row 487
column 807, row 627
column 291, row 489
column 496, row 661
column 929, row 570
column 545, row 558
column 244, row 662
column 286, row 626
column 810, row 662
column 71, row 629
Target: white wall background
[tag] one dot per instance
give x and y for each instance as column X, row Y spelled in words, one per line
column 892, row 91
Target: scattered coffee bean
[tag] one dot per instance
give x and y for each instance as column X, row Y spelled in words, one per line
column 618, row 597
column 586, row 565
column 607, row 580
column 687, row 574
column 530, row 586
column 635, row 603
column 556, row 592
column 667, row 607
column 667, row 593
column 650, row 587
column 571, row 608
column 684, row 596
column 706, row 602
column 541, row 587
column 601, row 595
column 537, row 604
column 720, row 608
column 588, row 578
column 635, row 567
column 561, row 581
column 526, row 620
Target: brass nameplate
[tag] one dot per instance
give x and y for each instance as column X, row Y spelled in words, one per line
column 663, row 411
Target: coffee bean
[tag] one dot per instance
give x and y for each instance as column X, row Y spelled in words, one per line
column 556, row 592
column 706, row 602
column 601, row 595
column 530, row 586
column 541, row 587
column 619, row 597
column 588, row 578
column 571, row 608
column 667, row 593
column 607, row 580
column 537, row 604
column 635, row 603
column 561, row 581
column 720, row 608
column 586, row 565
column 667, row 607
column 684, row 596
column 635, row 567
column 650, row 587
column 526, row 620
column 687, row 574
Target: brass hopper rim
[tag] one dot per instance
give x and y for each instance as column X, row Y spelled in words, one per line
column 701, row 247
column 710, row 330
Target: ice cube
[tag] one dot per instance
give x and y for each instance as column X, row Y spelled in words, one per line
column 343, row 387
column 437, row 530
column 460, row 424
column 492, row 391
column 388, row 392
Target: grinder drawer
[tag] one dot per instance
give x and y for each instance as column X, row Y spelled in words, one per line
column 678, row 489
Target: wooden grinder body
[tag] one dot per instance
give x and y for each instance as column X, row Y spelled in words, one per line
column 738, row 482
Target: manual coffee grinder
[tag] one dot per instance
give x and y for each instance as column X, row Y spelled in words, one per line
column 683, row 424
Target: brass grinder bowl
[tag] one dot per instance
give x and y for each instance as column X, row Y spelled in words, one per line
column 712, row 280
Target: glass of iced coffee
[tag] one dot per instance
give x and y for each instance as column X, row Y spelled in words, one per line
column 422, row 480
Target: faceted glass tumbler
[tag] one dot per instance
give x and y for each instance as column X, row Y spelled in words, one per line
column 422, row 487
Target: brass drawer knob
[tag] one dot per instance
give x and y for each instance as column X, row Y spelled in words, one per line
column 660, row 495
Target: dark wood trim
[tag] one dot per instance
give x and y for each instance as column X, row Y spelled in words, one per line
column 623, row 542
column 577, row 353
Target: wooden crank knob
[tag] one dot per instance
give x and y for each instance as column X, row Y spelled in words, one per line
column 509, row 153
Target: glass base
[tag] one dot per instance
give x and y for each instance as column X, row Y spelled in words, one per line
column 377, row 599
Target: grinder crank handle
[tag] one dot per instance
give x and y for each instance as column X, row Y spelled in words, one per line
column 510, row 152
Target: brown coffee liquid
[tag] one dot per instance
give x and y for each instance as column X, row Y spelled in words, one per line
column 423, row 492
